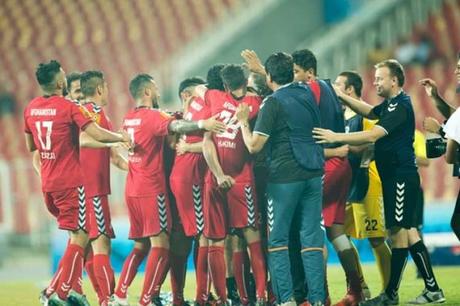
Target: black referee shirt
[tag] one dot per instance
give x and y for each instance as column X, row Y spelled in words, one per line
column 394, row 153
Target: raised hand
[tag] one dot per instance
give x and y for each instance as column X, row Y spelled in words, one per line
column 253, row 62
column 431, row 87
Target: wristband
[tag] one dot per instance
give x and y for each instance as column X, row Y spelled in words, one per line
column 200, row 124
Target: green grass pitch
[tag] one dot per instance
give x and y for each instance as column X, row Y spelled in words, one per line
column 26, row 293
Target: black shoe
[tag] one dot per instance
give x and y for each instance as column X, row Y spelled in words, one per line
column 156, row 300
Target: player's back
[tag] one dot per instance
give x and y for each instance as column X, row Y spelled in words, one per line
column 54, row 123
column 231, row 150
column 147, row 128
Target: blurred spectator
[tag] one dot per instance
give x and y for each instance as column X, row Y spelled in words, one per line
column 7, row 101
column 418, row 49
column 378, row 54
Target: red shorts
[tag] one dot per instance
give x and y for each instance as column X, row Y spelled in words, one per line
column 189, row 206
column 176, row 221
column 69, row 207
column 148, row 216
column 235, row 208
column 99, row 217
column 337, row 179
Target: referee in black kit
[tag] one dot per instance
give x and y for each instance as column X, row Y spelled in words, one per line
column 394, row 155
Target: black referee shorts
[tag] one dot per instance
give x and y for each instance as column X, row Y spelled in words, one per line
column 401, row 200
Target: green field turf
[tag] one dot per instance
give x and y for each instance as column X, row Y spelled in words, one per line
column 26, row 293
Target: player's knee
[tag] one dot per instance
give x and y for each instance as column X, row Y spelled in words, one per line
column 143, row 245
column 341, row 243
column 79, row 237
column 251, row 234
column 376, row 242
column 161, row 240
column 101, row 245
column 216, row 242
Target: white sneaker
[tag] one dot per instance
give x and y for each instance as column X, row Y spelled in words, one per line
column 117, row 301
column 429, row 297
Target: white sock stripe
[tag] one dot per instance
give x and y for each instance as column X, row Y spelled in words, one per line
column 127, row 272
column 149, row 292
column 429, row 278
column 71, row 272
column 107, row 279
column 244, row 283
column 54, row 280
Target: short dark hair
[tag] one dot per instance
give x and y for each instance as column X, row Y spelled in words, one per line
column 72, row 77
column 233, row 77
column 260, row 82
column 305, row 59
column 89, row 81
column 213, row 77
column 190, row 82
column 46, row 74
column 353, row 79
column 138, row 83
column 280, row 67
column 396, row 70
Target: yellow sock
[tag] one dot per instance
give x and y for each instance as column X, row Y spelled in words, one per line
column 382, row 255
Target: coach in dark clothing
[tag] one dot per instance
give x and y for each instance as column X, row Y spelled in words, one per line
column 295, row 161
column 393, row 135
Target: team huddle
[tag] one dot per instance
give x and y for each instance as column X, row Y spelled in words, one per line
column 262, row 163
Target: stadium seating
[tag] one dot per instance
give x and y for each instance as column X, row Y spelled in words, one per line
column 84, row 35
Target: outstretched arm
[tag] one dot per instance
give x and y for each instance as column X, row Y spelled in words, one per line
column 102, row 135
column 358, row 106
column 186, row 126
column 356, row 138
column 254, row 141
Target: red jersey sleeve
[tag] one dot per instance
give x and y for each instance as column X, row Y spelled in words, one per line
column 161, row 121
column 80, row 116
column 26, row 125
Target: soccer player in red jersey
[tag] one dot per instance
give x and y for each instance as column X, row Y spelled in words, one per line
column 229, row 192
column 146, row 193
column 186, row 181
column 95, row 159
column 51, row 125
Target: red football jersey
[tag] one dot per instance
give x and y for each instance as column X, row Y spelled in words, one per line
column 191, row 167
column 54, row 123
column 148, row 129
column 95, row 163
column 234, row 157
